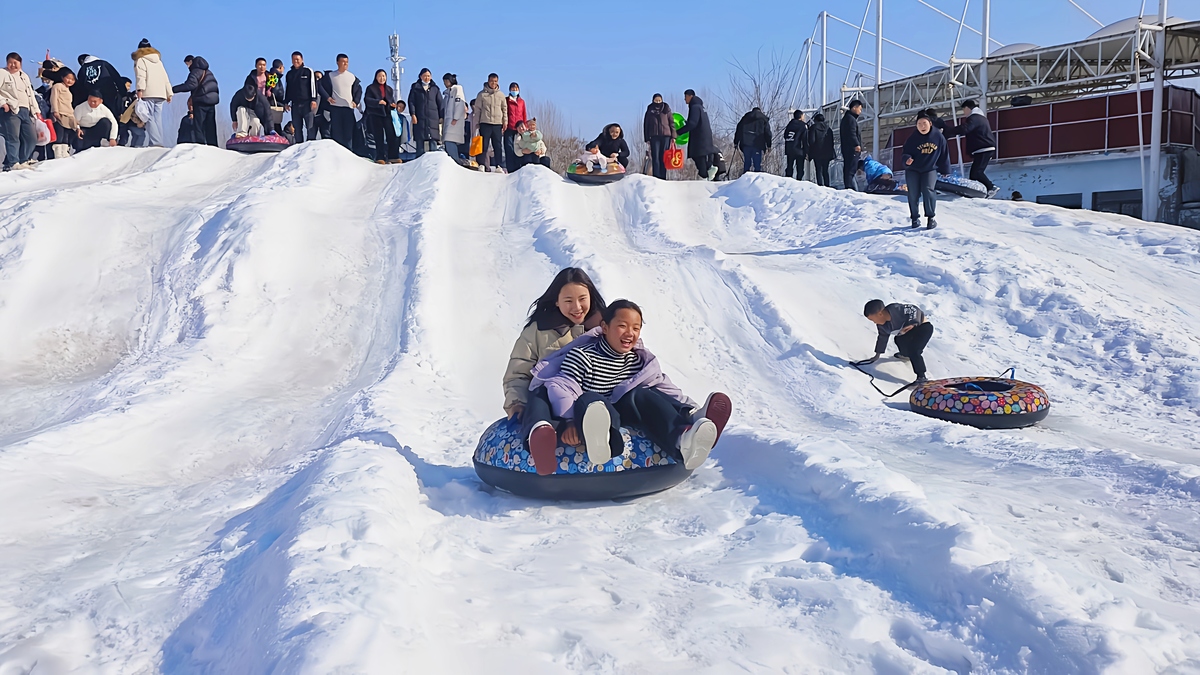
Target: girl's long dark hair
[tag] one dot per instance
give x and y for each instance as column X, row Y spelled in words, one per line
column 545, row 309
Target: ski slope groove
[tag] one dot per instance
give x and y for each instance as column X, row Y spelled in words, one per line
column 241, row 394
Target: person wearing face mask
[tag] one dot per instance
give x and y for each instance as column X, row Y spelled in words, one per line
column 426, row 108
column 516, row 113
column 658, row 129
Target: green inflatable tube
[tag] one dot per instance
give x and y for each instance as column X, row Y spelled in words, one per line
column 679, row 121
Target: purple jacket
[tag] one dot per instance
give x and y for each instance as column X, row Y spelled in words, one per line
column 563, row 390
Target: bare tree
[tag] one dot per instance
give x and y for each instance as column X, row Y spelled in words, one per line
column 767, row 84
column 563, row 143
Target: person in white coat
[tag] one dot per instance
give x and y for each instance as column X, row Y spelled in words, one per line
column 154, row 88
column 454, row 124
column 18, row 106
column 97, row 126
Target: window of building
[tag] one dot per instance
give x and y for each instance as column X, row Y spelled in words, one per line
column 1125, row 202
column 1068, row 201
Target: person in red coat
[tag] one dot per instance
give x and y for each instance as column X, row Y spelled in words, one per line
column 516, row 113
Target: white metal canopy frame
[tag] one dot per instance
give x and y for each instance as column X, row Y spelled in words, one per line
column 1115, row 58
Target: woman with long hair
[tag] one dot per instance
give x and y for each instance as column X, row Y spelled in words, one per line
column 454, row 121
column 378, row 102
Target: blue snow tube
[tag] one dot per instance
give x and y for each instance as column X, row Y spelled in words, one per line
column 503, row 461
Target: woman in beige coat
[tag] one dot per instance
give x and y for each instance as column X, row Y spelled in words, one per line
column 565, row 311
column 63, row 113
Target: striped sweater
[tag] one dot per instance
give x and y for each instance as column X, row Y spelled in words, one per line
column 598, row 368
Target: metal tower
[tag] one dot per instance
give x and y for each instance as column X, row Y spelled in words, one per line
column 397, row 71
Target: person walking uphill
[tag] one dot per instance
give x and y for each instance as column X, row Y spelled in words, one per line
column 820, row 149
column 204, row 99
column 981, row 144
column 908, row 325
column 851, row 143
column 700, row 147
column 516, row 113
column 753, row 137
column 658, row 129
column 380, row 99
column 492, row 112
column 795, row 145
column 924, row 157
column 300, row 97
column 345, row 91
column 17, row 106
column 427, row 110
column 154, row 88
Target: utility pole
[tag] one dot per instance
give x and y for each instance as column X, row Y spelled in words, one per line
column 983, row 67
column 1150, row 205
column 878, row 76
column 397, row 71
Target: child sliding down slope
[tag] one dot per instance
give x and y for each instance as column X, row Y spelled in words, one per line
column 606, row 379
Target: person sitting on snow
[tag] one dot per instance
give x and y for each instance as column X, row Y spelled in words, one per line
column 907, row 324
column 97, row 126
column 528, row 145
column 879, row 177
column 250, row 112
column 592, row 158
column 606, row 379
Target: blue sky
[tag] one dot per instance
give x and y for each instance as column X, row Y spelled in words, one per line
column 599, row 62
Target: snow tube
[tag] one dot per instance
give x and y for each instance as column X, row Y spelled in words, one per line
column 579, row 173
column 963, row 187
column 502, row 461
column 249, row 144
column 678, row 121
column 984, row 402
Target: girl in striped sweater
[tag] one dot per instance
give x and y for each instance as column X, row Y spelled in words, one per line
column 606, row 379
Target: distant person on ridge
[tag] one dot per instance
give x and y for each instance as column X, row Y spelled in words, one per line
column 700, row 146
column 300, row 97
column 492, row 114
column 851, row 143
column 377, row 113
column 658, row 129
column 515, row 106
column 820, row 149
column 154, row 87
column 528, row 144
column 345, row 91
column 250, row 112
column 981, row 144
column 795, row 145
column 924, row 158
column 203, row 101
column 426, row 109
column 753, row 137
column 907, row 324
column 612, row 144
column 454, row 117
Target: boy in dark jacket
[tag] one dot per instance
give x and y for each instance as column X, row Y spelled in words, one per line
column 820, row 148
column 795, row 145
column 907, row 324
column 981, row 145
column 851, row 143
column 924, row 157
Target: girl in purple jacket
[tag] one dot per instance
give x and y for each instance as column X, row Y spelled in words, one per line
column 606, row 379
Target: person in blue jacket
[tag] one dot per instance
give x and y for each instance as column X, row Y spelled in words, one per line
column 924, row 158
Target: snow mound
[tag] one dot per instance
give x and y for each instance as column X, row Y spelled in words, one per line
column 241, row 393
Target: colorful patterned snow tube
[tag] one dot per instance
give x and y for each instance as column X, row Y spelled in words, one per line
column 984, row 402
column 502, row 461
column 250, row 144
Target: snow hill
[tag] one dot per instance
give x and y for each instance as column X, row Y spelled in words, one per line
column 240, row 394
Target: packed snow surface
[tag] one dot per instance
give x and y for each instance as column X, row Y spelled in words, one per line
column 240, row 395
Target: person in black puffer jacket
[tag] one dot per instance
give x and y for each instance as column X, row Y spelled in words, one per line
column 612, row 144
column 378, row 102
column 700, row 146
column 981, row 144
column 851, row 143
column 753, row 137
column 795, row 145
column 427, row 109
column 820, row 148
column 256, row 110
column 203, row 101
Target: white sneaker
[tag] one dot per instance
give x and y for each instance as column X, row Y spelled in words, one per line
column 595, row 427
column 21, row 167
column 712, row 172
column 993, row 192
column 696, row 442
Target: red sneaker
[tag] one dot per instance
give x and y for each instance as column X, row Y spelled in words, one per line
column 542, row 443
column 717, row 408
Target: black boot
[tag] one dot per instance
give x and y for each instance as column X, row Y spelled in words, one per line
column 931, row 224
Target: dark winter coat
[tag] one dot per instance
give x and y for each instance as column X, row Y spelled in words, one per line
column 372, row 98
column 427, row 105
column 753, row 131
column 659, row 121
column 927, row 151
column 300, row 86
column 977, row 132
column 820, row 142
column 610, row 146
column 795, row 138
column 850, row 136
column 187, row 130
column 700, row 141
column 275, row 95
column 97, row 74
column 201, row 82
column 260, row 106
